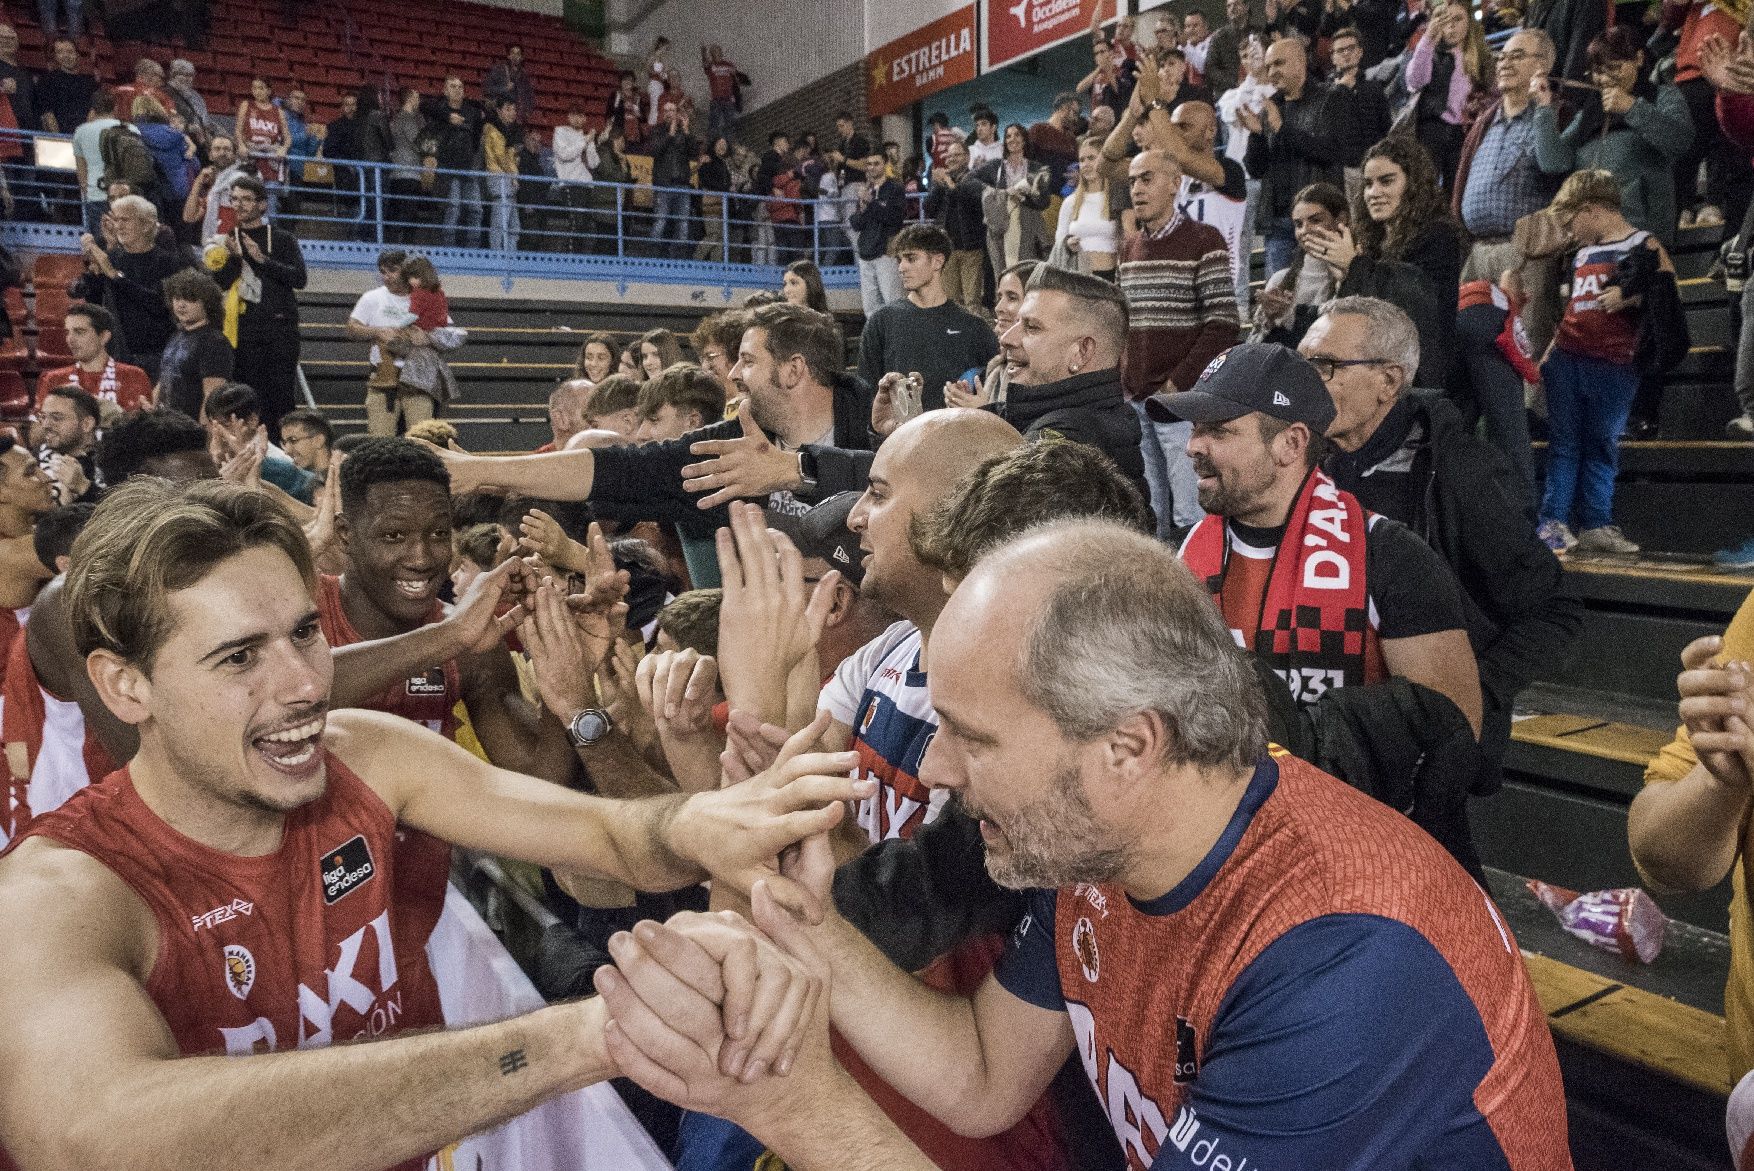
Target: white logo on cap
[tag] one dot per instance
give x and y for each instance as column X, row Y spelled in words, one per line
column 841, row 555
column 1279, row 399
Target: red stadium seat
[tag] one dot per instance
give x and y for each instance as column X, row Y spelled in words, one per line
column 55, row 270
column 15, row 400
column 51, row 306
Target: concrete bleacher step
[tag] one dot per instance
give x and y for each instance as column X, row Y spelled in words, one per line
column 1638, row 614
column 1657, row 497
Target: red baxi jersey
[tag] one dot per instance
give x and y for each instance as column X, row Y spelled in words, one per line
column 293, row 949
column 430, row 698
column 1327, row 989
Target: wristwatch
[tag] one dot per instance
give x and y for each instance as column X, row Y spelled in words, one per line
column 806, row 470
column 588, row 727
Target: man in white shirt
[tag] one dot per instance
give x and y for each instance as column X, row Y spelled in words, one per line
column 381, row 316
column 575, row 160
column 986, row 147
column 88, row 159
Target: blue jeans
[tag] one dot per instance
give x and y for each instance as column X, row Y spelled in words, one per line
column 503, row 235
column 1281, row 243
column 1169, row 473
column 670, row 207
column 721, row 118
column 1496, row 389
column 93, row 211
column 47, row 13
column 462, row 199
column 1587, row 404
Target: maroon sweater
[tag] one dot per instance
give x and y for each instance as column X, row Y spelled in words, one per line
column 1181, row 305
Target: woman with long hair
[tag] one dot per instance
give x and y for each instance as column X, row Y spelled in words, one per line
column 1449, row 74
column 803, row 286
column 657, row 351
column 263, row 133
column 714, row 181
column 1627, row 125
column 1294, row 296
column 1019, row 192
column 1403, row 246
column 1007, row 300
column 596, row 360
column 1088, row 218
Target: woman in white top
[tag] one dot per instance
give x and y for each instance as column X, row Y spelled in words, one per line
column 1088, row 229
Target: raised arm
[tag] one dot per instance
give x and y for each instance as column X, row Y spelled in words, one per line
column 555, row 475
column 90, row 1076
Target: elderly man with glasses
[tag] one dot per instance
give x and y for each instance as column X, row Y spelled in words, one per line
column 1499, row 180
column 128, row 269
column 1408, row 455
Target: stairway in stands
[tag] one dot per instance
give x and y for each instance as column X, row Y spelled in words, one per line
column 1641, row 1046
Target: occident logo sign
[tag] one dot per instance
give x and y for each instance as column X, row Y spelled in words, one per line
column 927, row 60
column 1018, row 28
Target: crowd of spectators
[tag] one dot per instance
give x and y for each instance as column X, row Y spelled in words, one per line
column 892, row 653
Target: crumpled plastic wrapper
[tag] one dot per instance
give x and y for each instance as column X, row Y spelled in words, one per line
column 1626, row 921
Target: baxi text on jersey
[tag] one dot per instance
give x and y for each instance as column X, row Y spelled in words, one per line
column 926, row 63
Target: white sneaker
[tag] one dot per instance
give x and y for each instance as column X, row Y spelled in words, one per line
column 1605, row 539
column 1740, row 427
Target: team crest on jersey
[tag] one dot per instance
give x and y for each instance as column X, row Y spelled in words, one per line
column 431, row 682
column 865, row 720
column 346, row 868
column 240, row 970
column 1187, row 1054
column 1084, row 947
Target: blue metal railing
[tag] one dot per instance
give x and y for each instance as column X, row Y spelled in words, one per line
column 489, row 222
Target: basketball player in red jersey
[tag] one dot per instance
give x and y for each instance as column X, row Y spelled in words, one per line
column 1259, row 966
column 228, row 893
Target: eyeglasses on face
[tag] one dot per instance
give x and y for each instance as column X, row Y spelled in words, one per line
column 1326, row 366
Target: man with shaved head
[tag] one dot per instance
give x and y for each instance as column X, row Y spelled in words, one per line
column 1214, row 187
column 1294, row 141
column 1246, row 987
column 1181, row 306
column 566, row 411
column 878, row 705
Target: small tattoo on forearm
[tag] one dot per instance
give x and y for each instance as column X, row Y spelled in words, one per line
column 510, row 1063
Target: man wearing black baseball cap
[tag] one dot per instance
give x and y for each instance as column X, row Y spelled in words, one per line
column 1328, row 594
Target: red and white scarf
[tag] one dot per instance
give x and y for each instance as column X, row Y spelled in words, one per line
column 1314, row 627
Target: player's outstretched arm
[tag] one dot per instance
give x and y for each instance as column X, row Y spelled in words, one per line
column 552, row 475
column 90, row 1077
column 733, row 834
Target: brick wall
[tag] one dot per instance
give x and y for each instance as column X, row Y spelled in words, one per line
column 810, row 108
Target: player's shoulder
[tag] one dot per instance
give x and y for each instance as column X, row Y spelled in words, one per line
column 60, row 896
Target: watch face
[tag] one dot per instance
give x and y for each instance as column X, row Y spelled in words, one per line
column 588, row 727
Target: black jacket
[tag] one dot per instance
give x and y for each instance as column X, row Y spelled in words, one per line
column 282, row 272
column 1086, row 408
column 880, row 219
column 671, row 154
column 644, row 482
column 1469, row 507
column 956, row 207
column 1423, row 282
column 1305, row 150
column 458, row 144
